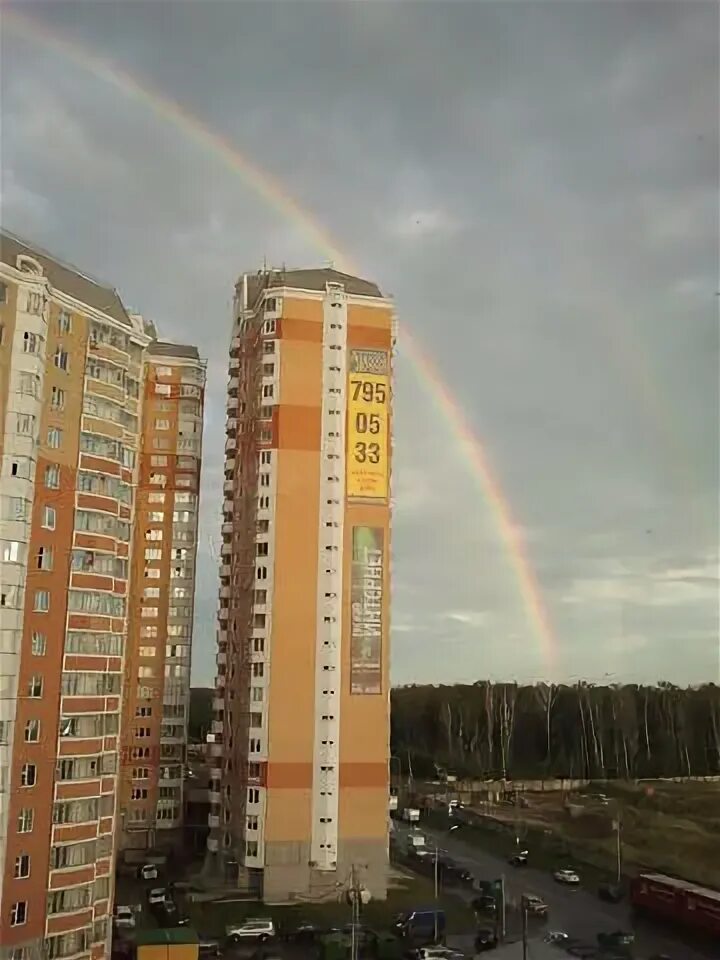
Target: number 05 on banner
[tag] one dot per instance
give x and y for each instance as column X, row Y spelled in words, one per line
column 368, row 401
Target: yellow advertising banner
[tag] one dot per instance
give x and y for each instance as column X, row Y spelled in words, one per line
column 368, row 406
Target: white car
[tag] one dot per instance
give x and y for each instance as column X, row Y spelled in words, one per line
column 567, row 876
column 157, row 895
column 148, row 871
column 254, row 929
column 438, row 952
column 556, row 936
column 124, row 918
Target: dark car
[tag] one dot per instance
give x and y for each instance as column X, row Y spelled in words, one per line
column 612, row 892
column 485, row 939
column 535, row 906
column 305, row 932
column 466, row 878
column 421, row 926
column 484, row 904
column 619, row 942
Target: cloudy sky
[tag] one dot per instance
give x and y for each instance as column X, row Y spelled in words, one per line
column 536, row 185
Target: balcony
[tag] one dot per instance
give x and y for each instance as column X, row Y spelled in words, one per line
column 216, row 726
column 213, row 821
column 228, row 487
column 221, row 659
column 225, row 571
column 215, row 750
column 231, row 426
column 228, row 505
column 230, row 445
column 225, row 592
column 223, row 614
column 233, row 385
column 229, row 465
column 212, row 844
column 227, row 527
column 218, row 703
column 234, row 365
column 225, row 550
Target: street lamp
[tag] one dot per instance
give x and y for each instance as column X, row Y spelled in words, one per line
column 437, row 891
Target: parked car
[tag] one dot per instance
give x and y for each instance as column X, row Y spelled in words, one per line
column 305, row 932
column 484, row 904
column 535, row 906
column 437, row 952
column 260, row 929
column 148, row 871
column 485, row 939
column 124, row 918
column 519, row 859
column 421, row 926
column 569, row 877
column 156, row 895
column 612, row 892
column 209, row 948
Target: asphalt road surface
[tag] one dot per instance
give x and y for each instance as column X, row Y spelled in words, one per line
column 578, row 912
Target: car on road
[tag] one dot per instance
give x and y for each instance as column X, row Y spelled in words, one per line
column 485, row 939
column 567, row 876
column 617, row 940
column 260, row 929
column 124, row 918
column 534, row 905
column 209, row 948
column 556, row 936
column 156, row 895
column 519, row 859
column 148, row 871
column 305, row 932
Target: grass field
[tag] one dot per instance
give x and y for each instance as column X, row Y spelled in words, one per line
column 407, row 892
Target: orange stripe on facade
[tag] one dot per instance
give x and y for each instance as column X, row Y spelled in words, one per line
column 368, row 338
column 363, row 775
column 298, row 428
column 293, row 328
column 294, row 776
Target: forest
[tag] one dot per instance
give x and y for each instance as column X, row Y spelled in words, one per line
column 488, row 730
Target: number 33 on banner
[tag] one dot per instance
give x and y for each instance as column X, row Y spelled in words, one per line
column 367, row 434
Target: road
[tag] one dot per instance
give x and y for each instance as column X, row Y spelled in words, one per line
column 580, row 913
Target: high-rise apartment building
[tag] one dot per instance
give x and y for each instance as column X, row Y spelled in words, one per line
column 72, row 381
column 301, row 731
column 160, row 617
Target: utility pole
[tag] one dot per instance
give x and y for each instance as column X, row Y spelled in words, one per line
column 503, row 915
column 619, row 847
column 437, row 851
column 523, row 907
column 355, row 902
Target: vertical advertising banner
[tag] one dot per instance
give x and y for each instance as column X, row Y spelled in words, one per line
column 368, row 406
column 367, row 587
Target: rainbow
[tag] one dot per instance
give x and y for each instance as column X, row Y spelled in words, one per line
column 278, row 198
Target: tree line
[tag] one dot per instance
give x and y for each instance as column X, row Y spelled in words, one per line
column 486, row 730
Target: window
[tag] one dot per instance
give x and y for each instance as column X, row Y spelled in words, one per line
column 28, row 775
column 18, row 913
column 151, row 593
column 54, row 438
column 32, row 731
column 30, row 342
column 258, row 669
column 3, row 295
column 29, row 384
column 252, row 823
column 22, row 866
column 162, row 424
column 269, row 327
column 163, row 389
column 35, row 686
column 257, row 694
column 48, row 519
column 164, row 371
column 253, row 795
column 24, row 424
column 267, row 390
column 12, row 551
column 57, row 400
column 153, row 534
column 253, row 745
column 158, row 460
column 153, row 553
column 61, row 359
column 264, row 479
column 156, row 497
column 39, row 644
column 266, row 456
column 25, row 821
column 52, row 477
column 251, row 848
column 156, row 516
column 261, row 549
column 45, row 558
column 42, row 601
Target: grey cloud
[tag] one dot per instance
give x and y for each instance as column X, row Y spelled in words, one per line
column 561, row 160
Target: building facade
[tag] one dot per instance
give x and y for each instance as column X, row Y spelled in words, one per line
column 160, row 618
column 301, row 731
column 72, row 381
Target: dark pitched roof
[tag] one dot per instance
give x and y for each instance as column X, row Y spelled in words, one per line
column 164, row 349
column 312, row 279
column 65, row 278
